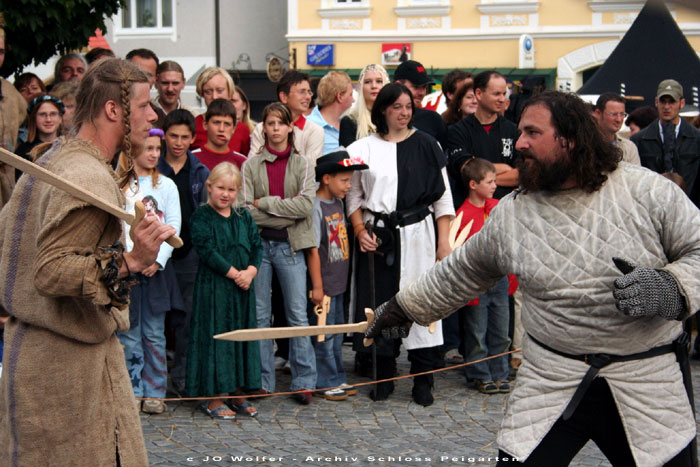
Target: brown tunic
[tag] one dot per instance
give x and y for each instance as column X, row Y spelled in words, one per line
column 13, row 111
column 65, row 394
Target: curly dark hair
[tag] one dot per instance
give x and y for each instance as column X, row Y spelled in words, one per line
column 592, row 158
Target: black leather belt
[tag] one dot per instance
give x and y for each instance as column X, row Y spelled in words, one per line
column 402, row 218
column 601, row 360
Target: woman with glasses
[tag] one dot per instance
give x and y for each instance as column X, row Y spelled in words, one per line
column 44, row 125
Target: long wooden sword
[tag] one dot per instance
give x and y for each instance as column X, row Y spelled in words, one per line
column 82, row 194
column 298, row 331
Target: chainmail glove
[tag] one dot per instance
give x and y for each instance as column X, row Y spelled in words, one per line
column 389, row 320
column 645, row 291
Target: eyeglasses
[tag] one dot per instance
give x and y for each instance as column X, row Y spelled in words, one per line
column 48, row 114
column 616, row 114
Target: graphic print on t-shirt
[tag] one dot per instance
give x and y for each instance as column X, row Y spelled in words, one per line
column 338, row 243
column 151, row 205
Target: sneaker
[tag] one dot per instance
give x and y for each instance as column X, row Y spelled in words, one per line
column 280, row 363
column 286, row 369
column 154, row 407
column 303, row 396
column 336, row 394
column 452, row 357
column 503, row 386
column 486, row 387
column 350, row 390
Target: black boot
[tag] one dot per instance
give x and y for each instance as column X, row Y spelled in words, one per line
column 421, row 393
column 386, row 368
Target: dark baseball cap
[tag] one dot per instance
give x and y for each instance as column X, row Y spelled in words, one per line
column 414, row 72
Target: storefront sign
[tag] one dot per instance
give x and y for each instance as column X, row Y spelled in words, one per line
column 320, row 54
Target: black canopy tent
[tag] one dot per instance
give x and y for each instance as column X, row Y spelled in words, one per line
column 653, row 49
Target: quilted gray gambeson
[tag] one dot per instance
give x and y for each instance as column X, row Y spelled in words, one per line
column 560, row 246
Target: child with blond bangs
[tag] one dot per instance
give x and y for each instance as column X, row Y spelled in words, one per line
column 229, row 248
column 157, row 291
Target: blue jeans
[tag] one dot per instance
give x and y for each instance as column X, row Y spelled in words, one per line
column 144, row 346
column 486, row 333
column 329, row 353
column 291, row 271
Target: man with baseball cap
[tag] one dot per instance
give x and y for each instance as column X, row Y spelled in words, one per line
column 412, row 74
column 670, row 144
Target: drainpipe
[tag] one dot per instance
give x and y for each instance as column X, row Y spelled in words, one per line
column 217, row 31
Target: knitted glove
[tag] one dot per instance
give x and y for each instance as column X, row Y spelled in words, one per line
column 645, row 291
column 389, row 320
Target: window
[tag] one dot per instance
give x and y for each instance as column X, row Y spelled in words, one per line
column 146, row 18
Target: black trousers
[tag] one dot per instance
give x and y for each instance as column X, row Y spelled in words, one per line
column 596, row 418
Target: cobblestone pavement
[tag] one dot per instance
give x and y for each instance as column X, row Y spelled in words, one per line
column 458, row 429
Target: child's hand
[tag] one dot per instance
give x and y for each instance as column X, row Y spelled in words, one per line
column 367, row 243
column 245, row 278
column 151, row 270
column 317, row 295
column 232, row 273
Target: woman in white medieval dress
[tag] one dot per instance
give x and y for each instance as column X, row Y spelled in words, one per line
column 401, row 198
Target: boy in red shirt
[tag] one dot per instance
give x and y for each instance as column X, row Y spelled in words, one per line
column 486, row 319
column 219, row 122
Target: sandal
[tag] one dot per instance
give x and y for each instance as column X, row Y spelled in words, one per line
column 216, row 413
column 245, row 409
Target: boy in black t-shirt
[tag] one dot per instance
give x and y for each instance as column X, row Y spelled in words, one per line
column 329, row 265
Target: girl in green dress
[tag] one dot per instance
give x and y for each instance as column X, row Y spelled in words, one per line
column 229, row 248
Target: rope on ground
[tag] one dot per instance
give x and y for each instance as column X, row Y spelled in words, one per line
column 275, row 394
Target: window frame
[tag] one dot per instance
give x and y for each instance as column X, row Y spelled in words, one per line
column 150, row 32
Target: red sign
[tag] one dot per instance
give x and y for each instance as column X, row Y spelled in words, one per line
column 391, row 53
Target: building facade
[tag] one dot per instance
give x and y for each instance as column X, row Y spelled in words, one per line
column 563, row 40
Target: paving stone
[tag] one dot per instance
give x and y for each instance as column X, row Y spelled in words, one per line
column 461, row 423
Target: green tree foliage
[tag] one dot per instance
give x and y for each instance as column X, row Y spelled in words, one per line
column 38, row 29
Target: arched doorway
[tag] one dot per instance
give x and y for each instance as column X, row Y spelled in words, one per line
column 571, row 67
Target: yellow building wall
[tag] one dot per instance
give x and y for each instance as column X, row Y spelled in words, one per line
column 308, row 16
column 465, row 15
column 483, row 53
column 448, row 54
column 564, row 13
column 383, row 16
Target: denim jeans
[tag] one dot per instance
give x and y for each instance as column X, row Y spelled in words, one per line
column 486, row 333
column 329, row 353
column 291, row 271
column 144, row 347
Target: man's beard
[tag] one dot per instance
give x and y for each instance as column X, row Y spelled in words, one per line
column 534, row 175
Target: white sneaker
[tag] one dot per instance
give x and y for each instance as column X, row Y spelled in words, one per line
column 336, row 394
column 350, row 390
column 279, row 362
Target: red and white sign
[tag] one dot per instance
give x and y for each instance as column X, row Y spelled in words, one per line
column 391, row 53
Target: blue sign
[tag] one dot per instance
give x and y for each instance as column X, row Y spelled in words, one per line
column 319, row 54
column 528, row 44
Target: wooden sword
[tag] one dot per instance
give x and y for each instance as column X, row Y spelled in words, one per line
column 82, row 194
column 298, row 331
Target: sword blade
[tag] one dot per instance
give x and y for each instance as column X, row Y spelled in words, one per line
column 243, row 335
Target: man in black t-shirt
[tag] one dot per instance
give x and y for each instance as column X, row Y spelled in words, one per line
column 413, row 75
column 484, row 134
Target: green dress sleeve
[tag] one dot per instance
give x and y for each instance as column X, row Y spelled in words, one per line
column 204, row 240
